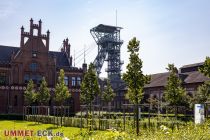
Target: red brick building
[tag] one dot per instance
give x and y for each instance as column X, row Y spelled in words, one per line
column 33, row 60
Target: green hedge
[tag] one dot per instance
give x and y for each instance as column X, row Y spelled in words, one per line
column 11, row 117
column 103, row 124
column 120, row 115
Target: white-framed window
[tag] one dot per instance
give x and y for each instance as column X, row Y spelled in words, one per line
column 78, row 81
column 66, row 80
column 73, row 81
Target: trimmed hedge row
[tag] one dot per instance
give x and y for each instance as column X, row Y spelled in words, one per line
column 117, row 115
column 11, row 117
column 103, row 124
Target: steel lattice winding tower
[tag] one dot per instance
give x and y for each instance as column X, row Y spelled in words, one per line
column 109, row 44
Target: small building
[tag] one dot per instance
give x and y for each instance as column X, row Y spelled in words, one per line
column 33, row 60
column 189, row 74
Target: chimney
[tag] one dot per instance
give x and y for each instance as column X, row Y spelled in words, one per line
column 40, row 28
column 22, row 37
column 48, row 39
column 31, row 27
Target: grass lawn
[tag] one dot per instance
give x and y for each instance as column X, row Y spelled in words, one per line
column 188, row 132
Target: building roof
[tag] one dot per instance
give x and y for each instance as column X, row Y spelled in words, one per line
column 6, row 53
column 61, row 59
column 195, row 77
column 192, row 65
column 160, row 79
column 106, row 28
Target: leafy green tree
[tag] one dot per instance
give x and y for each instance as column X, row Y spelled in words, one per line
column 108, row 94
column 43, row 95
column 135, row 78
column 89, row 86
column 61, row 90
column 205, row 69
column 174, row 93
column 29, row 94
column 153, row 102
column 89, row 90
column 203, row 92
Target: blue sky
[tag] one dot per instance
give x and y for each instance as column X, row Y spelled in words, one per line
column 170, row 31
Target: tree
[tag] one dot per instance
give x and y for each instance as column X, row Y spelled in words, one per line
column 43, row 95
column 89, row 86
column 108, row 94
column 174, row 93
column 29, row 94
column 154, row 102
column 89, row 90
column 135, row 78
column 61, row 90
column 203, row 92
column 205, row 69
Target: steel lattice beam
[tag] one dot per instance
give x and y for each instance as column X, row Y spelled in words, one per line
column 108, row 40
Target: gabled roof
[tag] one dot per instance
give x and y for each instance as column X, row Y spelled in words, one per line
column 6, row 52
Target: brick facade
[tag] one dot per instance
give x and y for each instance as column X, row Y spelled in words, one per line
column 33, row 60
